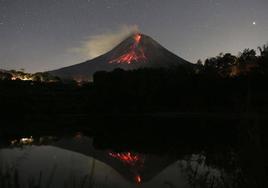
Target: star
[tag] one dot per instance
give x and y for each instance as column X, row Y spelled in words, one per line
column 254, row 23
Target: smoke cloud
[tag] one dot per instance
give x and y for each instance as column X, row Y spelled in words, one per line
column 97, row 45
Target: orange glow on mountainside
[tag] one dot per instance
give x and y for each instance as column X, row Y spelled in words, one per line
column 134, row 54
column 137, row 38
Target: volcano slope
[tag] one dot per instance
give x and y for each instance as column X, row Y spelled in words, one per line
column 136, row 51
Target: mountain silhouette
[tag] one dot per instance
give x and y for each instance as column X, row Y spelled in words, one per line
column 136, row 51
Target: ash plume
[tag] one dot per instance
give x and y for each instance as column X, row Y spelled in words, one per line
column 97, row 45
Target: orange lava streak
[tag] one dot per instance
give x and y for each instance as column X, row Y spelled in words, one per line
column 128, row 58
column 137, row 38
column 135, row 54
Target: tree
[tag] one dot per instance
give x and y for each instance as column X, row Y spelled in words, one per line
column 221, row 64
column 247, row 57
column 5, row 76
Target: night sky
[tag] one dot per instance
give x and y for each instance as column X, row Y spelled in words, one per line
column 40, row 35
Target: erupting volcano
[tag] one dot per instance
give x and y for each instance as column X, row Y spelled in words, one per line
column 134, row 52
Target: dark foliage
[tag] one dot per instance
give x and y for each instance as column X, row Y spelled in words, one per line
column 217, row 106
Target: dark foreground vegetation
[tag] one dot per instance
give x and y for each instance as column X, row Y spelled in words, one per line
column 219, row 107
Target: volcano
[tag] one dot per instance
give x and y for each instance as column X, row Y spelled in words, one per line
column 136, row 51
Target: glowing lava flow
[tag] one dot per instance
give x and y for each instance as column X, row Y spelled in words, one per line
column 135, row 53
column 134, row 161
column 137, row 38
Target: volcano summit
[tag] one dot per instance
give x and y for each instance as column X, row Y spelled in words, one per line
column 136, row 51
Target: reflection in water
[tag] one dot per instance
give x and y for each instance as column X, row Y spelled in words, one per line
column 22, row 141
column 74, row 162
column 62, row 168
column 44, row 140
column 134, row 161
column 129, row 158
column 198, row 173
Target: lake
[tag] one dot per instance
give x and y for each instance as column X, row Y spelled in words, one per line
column 73, row 161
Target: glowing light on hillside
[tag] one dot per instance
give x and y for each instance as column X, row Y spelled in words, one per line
column 134, row 54
column 23, row 78
column 137, row 38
